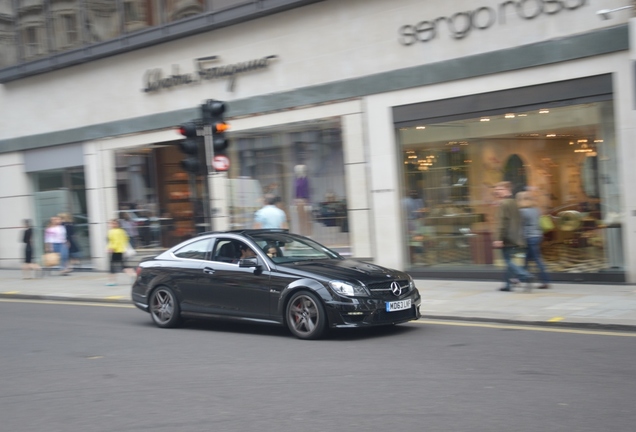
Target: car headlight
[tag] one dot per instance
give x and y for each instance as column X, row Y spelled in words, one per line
column 347, row 289
column 411, row 283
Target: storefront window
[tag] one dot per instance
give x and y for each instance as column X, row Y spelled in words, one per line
column 58, row 192
column 302, row 164
column 565, row 156
column 158, row 204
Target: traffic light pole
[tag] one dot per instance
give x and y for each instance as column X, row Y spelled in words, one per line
column 214, row 128
column 217, row 208
column 209, row 154
column 207, row 135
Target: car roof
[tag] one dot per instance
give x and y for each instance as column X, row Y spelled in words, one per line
column 247, row 231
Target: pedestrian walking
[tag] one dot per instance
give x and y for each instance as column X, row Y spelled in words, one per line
column 130, row 226
column 533, row 234
column 55, row 241
column 71, row 241
column 30, row 269
column 117, row 244
column 509, row 235
column 270, row 215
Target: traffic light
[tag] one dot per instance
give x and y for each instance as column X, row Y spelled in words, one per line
column 190, row 146
column 213, row 111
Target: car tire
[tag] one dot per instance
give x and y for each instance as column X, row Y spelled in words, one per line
column 305, row 316
column 164, row 308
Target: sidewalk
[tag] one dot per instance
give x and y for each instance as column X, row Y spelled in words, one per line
column 565, row 304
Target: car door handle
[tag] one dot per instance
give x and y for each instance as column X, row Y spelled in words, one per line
column 208, row 270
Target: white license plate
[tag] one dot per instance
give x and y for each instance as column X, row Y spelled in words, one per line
column 398, row 305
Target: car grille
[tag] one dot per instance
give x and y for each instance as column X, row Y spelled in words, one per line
column 382, row 289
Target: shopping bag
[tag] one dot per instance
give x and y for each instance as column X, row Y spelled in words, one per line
column 130, row 252
column 546, row 224
column 51, row 259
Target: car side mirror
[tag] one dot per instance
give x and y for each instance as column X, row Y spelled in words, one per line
column 249, row 262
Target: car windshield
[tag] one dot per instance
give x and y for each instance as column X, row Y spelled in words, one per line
column 284, row 247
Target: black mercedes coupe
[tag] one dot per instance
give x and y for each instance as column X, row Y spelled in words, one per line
column 271, row 276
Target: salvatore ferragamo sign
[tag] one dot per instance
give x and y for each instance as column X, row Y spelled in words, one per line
column 155, row 79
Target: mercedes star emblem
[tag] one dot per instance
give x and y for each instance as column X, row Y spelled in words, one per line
column 396, row 289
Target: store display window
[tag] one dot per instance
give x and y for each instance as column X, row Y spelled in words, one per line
column 565, row 156
column 158, row 204
column 303, row 165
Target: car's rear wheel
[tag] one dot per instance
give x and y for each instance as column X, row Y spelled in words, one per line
column 164, row 308
column 306, row 316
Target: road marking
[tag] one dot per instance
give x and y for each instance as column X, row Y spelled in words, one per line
column 556, row 319
column 11, row 292
column 525, row 327
column 73, row 303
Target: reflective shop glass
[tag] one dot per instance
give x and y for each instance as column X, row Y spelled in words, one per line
column 57, row 192
column 565, row 157
column 157, row 204
column 34, row 29
column 303, row 164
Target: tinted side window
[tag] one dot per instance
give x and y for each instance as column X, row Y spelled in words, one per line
column 195, row 250
column 226, row 250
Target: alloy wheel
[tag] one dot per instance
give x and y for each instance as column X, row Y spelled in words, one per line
column 305, row 316
column 164, row 308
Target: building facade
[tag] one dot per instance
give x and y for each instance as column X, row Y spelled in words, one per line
column 383, row 126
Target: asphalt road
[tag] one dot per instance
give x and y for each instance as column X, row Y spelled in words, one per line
column 74, row 367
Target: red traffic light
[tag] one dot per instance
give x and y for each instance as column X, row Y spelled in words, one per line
column 188, row 130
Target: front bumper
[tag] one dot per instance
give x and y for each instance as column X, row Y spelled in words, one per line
column 365, row 312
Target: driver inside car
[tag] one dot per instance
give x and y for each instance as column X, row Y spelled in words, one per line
column 246, row 251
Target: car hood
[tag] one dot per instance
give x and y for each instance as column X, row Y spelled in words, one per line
column 345, row 270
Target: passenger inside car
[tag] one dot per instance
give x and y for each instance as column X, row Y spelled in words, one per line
column 271, row 251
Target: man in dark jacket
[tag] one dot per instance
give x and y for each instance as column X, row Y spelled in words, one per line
column 509, row 235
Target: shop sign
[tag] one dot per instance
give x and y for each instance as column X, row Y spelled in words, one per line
column 155, row 79
column 460, row 24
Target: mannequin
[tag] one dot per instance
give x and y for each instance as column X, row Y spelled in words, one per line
column 303, row 209
column 302, row 183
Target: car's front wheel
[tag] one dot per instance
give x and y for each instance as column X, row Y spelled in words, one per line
column 306, row 316
column 164, row 308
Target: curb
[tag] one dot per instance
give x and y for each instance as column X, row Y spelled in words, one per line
column 66, row 299
column 560, row 324
column 589, row 326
